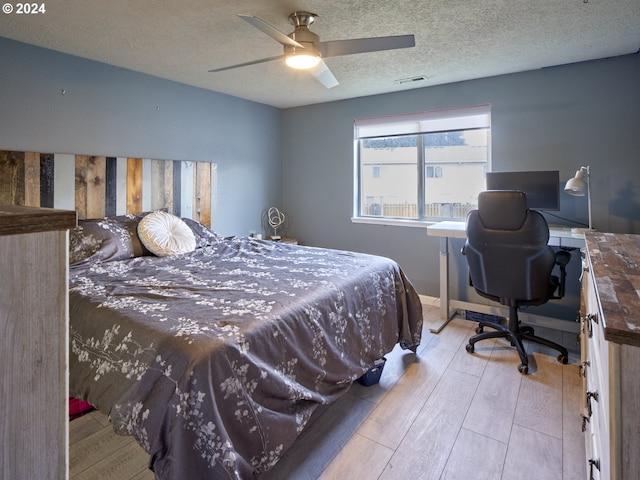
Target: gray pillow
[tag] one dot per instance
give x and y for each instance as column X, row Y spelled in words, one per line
column 106, row 239
column 204, row 236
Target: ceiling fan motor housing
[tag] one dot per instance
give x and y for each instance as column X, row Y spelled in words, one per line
column 305, row 38
column 302, row 35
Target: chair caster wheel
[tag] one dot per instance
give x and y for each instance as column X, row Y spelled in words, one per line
column 523, row 369
column 470, row 348
column 527, row 330
column 562, row 358
column 479, row 329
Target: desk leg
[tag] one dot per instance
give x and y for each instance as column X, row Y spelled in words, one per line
column 445, row 314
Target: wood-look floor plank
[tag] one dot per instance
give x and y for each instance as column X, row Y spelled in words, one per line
column 491, row 412
column 92, row 449
column 122, row 463
column 454, row 335
column 391, row 419
column 372, row 459
column 475, row 456
column 474, row 364
column 539, row 404
column 82, row 427
column 532, row 455
column 425, row 448
column 573, row 443
column 101, row 418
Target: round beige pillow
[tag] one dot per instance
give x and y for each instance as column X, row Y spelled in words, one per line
column 165, row 234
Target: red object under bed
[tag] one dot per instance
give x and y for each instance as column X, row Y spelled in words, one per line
column 77, row 408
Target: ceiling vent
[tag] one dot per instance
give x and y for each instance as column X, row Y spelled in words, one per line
column 419, row 78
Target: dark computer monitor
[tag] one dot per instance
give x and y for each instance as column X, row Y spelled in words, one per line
column 542, row 187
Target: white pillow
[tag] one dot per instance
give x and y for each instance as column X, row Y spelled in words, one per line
column 164, row 234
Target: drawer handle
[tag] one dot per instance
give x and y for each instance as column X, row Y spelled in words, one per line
column 585, row 421
column 591, row 395
column 582, row 370
column 585, row 269
column 593, row 462
column 586, row 322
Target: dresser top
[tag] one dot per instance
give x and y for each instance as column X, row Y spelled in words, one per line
column 615, row 260
column 17, row 219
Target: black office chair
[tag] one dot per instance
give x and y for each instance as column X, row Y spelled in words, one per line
column 510, row 262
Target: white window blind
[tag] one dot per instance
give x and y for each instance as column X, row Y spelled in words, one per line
column 466, row 118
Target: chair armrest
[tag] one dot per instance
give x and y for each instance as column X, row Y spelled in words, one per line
column 562, row 258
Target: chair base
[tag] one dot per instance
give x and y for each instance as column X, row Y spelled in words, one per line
column 516, row 335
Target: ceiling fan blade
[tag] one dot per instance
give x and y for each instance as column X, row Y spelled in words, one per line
column 246, row 64
column 324, row 75
column 336, row 48
column 274, row 33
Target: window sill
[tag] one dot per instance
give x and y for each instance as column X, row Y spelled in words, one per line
column 394, row 222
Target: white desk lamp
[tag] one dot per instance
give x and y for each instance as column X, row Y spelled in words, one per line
column 579, row 186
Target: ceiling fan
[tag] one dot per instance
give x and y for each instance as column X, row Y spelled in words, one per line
column 303, row 50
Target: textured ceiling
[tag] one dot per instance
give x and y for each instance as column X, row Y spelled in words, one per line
column 455, row 40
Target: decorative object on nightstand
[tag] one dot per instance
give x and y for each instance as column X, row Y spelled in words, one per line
column 275, row 218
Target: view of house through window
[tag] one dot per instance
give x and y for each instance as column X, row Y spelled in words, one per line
column 422, row 166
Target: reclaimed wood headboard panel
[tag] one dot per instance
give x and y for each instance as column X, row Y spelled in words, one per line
column 99, row 186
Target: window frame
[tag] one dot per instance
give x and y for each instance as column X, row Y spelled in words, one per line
column 421, row 123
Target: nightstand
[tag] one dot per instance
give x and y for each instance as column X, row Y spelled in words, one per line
column 289, row 240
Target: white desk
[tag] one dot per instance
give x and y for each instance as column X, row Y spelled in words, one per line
column 558, row 237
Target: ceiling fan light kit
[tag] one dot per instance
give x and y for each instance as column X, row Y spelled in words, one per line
column 304, row 50
column 301, row 60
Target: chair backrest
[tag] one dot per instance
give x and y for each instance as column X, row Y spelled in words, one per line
column 507, row 250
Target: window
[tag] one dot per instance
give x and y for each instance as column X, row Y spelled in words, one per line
column 434, row 171
column 423, row 166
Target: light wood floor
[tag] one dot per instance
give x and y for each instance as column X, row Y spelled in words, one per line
column 443, row 414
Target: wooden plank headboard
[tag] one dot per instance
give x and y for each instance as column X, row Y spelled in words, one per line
column 99, row 186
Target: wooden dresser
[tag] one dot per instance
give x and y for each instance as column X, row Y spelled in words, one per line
column 610, row 341
column 33, row 342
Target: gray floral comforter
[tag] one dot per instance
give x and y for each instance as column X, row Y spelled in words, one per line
column 215, row 360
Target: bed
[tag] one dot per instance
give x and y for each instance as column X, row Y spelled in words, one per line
column 215, row 359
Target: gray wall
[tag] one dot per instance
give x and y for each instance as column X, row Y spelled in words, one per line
column 551, row 119
column 301, row 159
column 117, row 112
